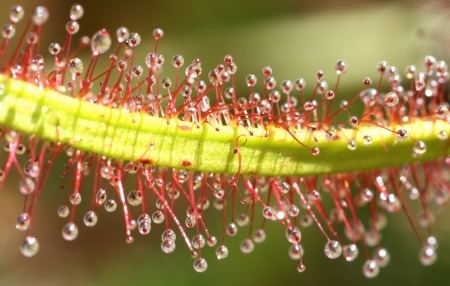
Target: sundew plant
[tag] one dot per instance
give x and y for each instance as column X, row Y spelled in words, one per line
column 180, row 151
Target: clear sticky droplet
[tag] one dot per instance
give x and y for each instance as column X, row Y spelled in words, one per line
column 296, row 251
column 419, row 148
column 76, row 66
column 232, row 229
column 76, row 12
column 134, row 198
column 26, row 185
column 351, row 145
column 442, row 111
column 70, row 231
column 100, row 42
column 247, row 246
column 198, row 241
column 23, row 221
column 72, row 27
column 242, row 220
column 222, row 252
column 169, row 234
column 315, row 151
column 168, row 246
column 75, row 199
column 100, row 197
column 30, row 246
column 381, row 256
column 341, row 67
column 371, row 269
column 212, row 241
column 333, row 249
column 293, row 234
column 293, row 210
column 367, row 140
column 427, row 255
column 350, row 252
column 8, row 31
column 402, row 134
column 177, row 61
column 40, row 15
column 158, row 33
column 259, row 236
column 200, row 265
column 268, row 212
column 134, row 39
column 110, row 205
column 16, row 13
column 158, row 217
column 90, row 218
column 63, row 211
column 329, row 94
column 391, row 99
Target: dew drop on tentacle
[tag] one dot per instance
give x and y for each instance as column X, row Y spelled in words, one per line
column 232, row 229
column 75, row 199
column 134, row 198
column 247, row 246
column 315, row 151
column 367, row 140
column 168, row 246
column 8, row 31
column 296, row 251
column 158, row 33
column 351, row 145
column 329, row 95
column 63, row 211
column 259, row 236
column 40, row 15
column 222, row 252
column 341, row 67
column 100, row 42
column 16, row 13
column 90, row 218
column 442, row 111
column 391, row 99
column 293, row 234
column 371, row 269
column 268, row 213
column 198, row 241
column 293, row 210
column 76, row 66
column 76, row 12
column 100, row 197
column 211, row 241
column 72, row 27
column 70, row 231
column 381, row 256
column 23, row 221
column 333, row 249
column 26, row 185
column 158, row 217
column 110, row 205
column 350, row 252
column 419, row 148
column 402, row 134
column 242, row 220
column 200, row 265
column 30, row 246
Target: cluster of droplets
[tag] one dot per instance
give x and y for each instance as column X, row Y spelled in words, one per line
column 397, row 105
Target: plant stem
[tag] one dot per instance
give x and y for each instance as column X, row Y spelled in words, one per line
column 178, row 144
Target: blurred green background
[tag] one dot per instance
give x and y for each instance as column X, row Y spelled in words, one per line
column 296, row 38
